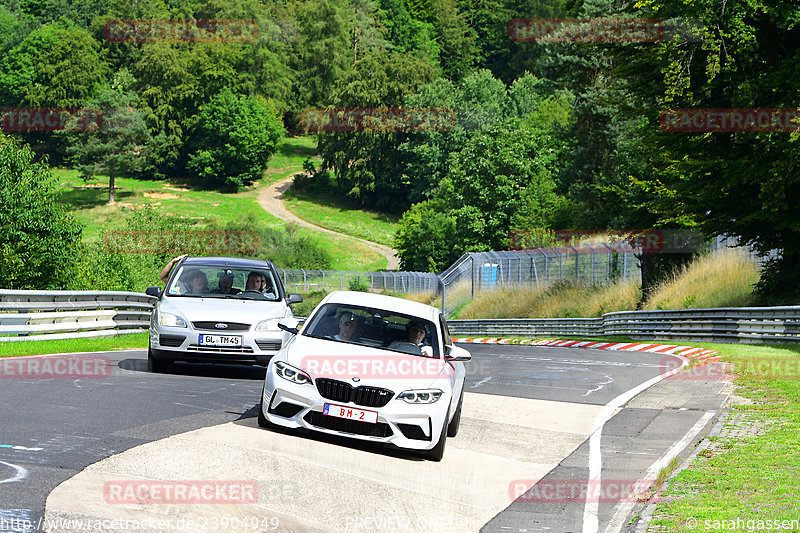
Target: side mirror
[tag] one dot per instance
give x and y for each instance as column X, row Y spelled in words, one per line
column 289, row 325
column 293, row 298
column 454, row 353
column 153, row 291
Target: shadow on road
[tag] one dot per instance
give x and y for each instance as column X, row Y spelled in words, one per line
column 248, row 419
column 204, row 370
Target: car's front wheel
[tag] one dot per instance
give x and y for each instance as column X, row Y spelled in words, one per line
column 437, row 452
column 156, row 366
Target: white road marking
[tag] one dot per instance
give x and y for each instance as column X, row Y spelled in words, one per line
column 21, row 473
column 600, row 385
column 20, row 448
column 643, row 484
column 590, row 510
column 192, row 406
column 481, row 382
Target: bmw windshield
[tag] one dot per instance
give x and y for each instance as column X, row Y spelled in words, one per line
column 375, row 328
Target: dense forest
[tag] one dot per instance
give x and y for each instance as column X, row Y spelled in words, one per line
column 548, row 133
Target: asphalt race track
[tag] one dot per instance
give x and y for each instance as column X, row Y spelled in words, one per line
column 524, row 444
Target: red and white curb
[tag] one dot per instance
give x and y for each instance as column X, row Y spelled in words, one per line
column 701, row 354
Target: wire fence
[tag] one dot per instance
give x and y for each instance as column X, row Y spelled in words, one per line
column 477, row 272
column 308, row 281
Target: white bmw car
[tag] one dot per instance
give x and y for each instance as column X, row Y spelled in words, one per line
column 369, row 367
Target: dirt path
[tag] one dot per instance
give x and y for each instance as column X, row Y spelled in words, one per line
column 271, row 199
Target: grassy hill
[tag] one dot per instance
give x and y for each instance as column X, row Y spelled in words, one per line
column 205, row 208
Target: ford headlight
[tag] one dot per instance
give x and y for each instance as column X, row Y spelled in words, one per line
column 270, row 324
column 173, row 321
column 420, row 396
column 295, row 375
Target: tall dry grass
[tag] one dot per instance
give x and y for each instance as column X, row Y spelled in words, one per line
column 562, row 299
column 723, row 278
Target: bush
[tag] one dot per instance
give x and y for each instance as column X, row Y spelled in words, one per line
column 38, row 237
column 101, row 267
column 285, row 246
column 234, row 138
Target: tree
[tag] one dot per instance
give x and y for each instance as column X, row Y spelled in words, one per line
column 325, row 52
column 367, row 163
column 120, row 145
column 457, row 40
column 233, row 139
column 501, row 179
column 740, row 183
column 57, row 65
column 38, row 237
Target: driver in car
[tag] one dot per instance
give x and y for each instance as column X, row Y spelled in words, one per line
column 415, row 332
column 256, row 281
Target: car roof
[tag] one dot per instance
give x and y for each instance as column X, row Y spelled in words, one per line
column 226, row 261
column 380, row 301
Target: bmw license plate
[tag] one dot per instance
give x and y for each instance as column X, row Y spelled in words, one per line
column 220, row 340
column 340, row 411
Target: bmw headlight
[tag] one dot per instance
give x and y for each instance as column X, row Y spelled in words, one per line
column 420, row 396
column 270, row 324
column 168, row 319
column 295, row 375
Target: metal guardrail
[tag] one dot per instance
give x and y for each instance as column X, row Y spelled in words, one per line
column 40, row 315
column 37, row 315
column 728, row 324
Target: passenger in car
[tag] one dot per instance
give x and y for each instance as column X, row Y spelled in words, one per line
column 195, row 282
column 348, row 324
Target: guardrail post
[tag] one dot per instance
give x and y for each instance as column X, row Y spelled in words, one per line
column 441, row 284
column 472, row 277
column 323, row 279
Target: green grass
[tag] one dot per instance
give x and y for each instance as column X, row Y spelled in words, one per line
column 204, row 207
column 754, row 478
column 340, row 215
column 97, row 344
